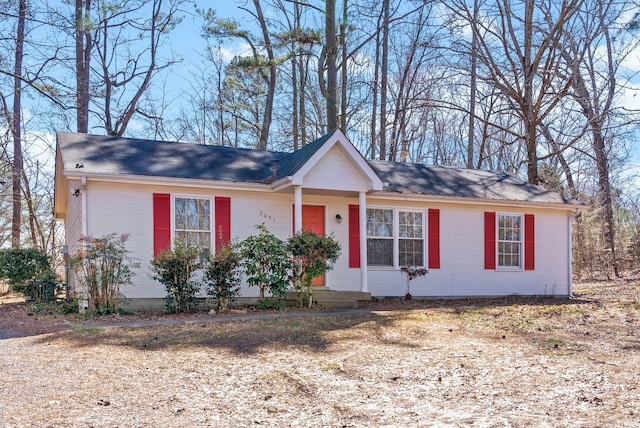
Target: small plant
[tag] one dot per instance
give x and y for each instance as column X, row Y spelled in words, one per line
column 175, row 269
column 412, row 273
column 103, row 267
column 44, row 288
column 70, row 307
column 267, row 263
column 314, row 255
column 222, row 276
column 267, row 304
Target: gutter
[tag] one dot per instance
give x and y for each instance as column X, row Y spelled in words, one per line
column 169, row 181
column 414, row 197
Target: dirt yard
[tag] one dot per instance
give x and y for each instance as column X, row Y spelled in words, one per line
column 517, row 362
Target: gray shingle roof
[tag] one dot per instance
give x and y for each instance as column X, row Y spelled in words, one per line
column 130, row 156
column 463, row 183
column 126, row 156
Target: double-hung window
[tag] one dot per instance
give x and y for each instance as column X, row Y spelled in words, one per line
column 192, row 221
column 411, row 238
column 395, row 238
column 509, row 241
column 380, row 237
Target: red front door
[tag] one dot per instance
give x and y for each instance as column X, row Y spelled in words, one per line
column 313, row 220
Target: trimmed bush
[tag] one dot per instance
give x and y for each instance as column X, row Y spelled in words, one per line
column 222, row 277
column 314, row 255
column 175, row 269
column 267, row 263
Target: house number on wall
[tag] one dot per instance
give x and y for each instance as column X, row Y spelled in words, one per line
column 268, row 217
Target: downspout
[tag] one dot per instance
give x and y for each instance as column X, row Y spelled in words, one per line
column 84, row 301
column 297, row 208
column 362, row 201
column 83, row 201
column 570, row 254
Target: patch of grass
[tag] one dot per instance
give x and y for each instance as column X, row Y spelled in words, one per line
column 331, row 366
column 89, row 330
column 283, row 323
column 561, row 310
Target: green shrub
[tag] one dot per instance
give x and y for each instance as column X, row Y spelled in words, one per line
column 103, row 267
column 267, row 304
column 267, row 263
column 313, row 256
column 20, row 265
column 44, row 288
column 175, row 269
column 222, row 276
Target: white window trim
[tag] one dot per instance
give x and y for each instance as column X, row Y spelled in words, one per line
column 396, row 236
column 520, row 267
column 211, row 220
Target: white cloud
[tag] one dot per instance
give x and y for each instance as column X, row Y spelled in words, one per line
column 235, row 49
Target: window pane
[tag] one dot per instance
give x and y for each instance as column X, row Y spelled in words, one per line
column 380, row 252
column 379, row 222
column 193, row 221
column 410, row 224
column 180, row 214
column 411, row 252
column 192, row 214
column 196, row 239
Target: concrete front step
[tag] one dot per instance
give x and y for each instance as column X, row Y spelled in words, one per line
column 333, row 298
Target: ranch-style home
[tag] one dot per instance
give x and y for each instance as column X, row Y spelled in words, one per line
column 479, row 233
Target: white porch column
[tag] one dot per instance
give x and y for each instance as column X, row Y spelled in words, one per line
column 363, row 242
column 297, row 210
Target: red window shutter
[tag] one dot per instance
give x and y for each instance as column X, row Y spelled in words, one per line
column 434, row 239
column 354, row 236
column 161, row 223
column 223, row 221
column 489, row 240
column 529, row 242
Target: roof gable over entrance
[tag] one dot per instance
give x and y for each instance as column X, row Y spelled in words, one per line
column 330, row 163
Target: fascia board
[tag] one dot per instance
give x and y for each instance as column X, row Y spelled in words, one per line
column 472, row 201
column 171, row 181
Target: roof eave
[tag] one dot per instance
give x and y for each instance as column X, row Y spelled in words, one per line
column 170, row 181
column 566, row 206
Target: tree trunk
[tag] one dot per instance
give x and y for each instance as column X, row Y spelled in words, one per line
column 374, row 100
column 472, row 89
column 383, row 85
column 83, row 56
column 332, row 72
column 343, row 68
column 529, row 114
column 271, row 84
column 16, row 122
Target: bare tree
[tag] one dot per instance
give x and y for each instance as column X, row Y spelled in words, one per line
column 518, row 47
column 16, row 131
column 116, row 29
column 593, row 52
column 330, row 48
